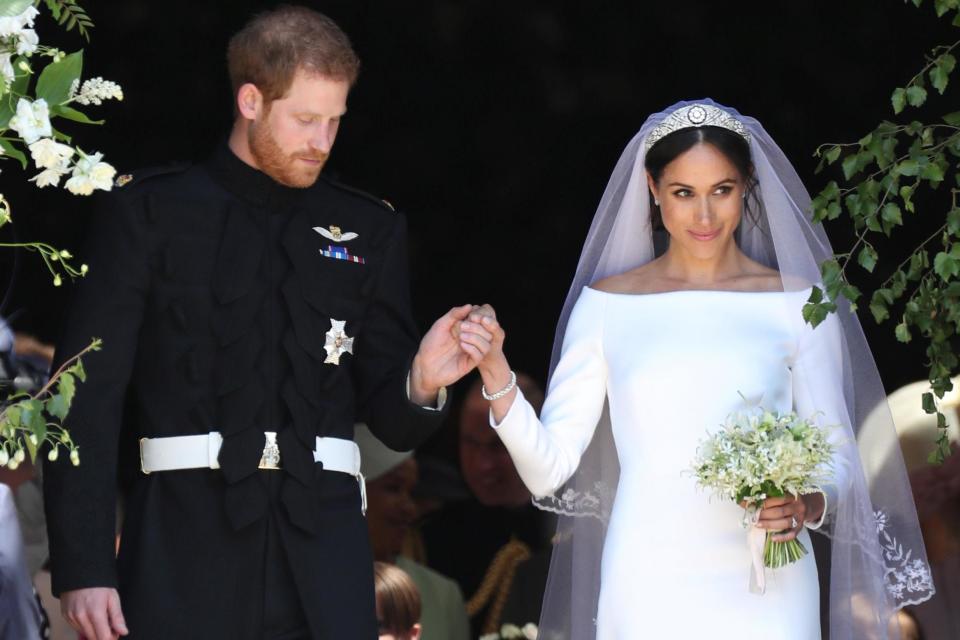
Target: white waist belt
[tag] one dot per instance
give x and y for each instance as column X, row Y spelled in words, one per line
column 201, row 452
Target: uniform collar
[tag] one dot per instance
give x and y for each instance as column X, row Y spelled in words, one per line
column 249, row 183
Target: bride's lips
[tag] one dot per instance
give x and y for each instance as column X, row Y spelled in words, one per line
column 704, row 237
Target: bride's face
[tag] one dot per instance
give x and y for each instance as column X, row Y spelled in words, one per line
column 701, row 200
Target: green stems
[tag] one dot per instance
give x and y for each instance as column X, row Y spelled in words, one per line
column 780, row 554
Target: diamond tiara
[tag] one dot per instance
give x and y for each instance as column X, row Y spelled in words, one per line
column 696, row 115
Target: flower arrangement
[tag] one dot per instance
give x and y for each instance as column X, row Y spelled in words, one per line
column 761, row 454
column 513, row 632
column 31, row 104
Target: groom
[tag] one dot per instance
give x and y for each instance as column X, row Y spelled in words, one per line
column 251, row 312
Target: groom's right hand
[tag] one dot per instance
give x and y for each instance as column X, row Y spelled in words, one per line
column 94, row 612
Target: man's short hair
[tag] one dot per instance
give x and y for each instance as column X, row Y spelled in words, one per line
column 274, row 45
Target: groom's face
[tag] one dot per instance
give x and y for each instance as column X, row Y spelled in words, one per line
column 292, row 136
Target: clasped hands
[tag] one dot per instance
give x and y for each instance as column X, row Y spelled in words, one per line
column 463, row 338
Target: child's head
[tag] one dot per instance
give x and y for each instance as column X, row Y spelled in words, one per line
column 398, row 603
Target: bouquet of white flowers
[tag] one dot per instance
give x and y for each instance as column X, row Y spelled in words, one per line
column 758, row 455
column 513, row 632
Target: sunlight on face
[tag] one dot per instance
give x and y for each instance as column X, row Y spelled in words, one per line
column 701, row 200
column 293, row 138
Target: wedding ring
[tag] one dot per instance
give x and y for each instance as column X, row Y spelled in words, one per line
column 793, row 522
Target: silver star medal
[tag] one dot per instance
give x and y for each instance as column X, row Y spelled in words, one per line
column 338, row 342
column 335, row 234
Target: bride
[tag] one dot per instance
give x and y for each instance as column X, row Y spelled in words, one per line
column 652, row 353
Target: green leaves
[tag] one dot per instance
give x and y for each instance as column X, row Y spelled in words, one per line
column 69, row 14
column 940, row 73
column 817, row 308
column 13, row 152
column 902, row 332
column 898, row 100
column 59, row 403
column 947, row 265
column 916, row 95
column 868, row 258
column 9, row 8
column 70, row 113
column 27, row 422
column 57, row 77
column 953, row 119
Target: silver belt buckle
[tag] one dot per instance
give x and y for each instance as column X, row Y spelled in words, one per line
column 271, row 452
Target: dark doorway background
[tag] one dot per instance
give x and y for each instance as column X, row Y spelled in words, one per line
column 494, row 125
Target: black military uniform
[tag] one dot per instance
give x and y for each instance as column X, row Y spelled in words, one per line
column 214, row 289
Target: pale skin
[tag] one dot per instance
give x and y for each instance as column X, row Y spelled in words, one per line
column 701, row 196
column 303, row 126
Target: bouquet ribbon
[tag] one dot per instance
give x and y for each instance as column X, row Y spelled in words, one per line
column 756, row 540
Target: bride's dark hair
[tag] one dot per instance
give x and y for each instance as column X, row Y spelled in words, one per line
column 732, row 145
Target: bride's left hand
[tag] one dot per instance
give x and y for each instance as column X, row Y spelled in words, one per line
column 788, row 514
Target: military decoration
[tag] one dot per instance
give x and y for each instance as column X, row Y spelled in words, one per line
column 338, row 342
column 336, row 234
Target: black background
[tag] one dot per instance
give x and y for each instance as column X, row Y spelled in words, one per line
column 495, row 125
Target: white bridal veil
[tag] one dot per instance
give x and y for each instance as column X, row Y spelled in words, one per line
column 877, row 559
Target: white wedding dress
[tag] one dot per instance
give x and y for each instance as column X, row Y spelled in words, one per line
column 673, row 366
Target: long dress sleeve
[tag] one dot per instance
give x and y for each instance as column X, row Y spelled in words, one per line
column 546, row 451
column 818, row 390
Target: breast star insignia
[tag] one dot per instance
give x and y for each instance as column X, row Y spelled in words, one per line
column 338, row 342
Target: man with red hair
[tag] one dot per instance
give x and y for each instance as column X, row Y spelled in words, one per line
column 251, row 311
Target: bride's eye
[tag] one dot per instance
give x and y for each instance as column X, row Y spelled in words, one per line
column 724, row 190
column 683, row 193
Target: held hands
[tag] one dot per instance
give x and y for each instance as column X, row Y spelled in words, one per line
column 94, row 612
column 443, row 357
column 788, row 514
column 481, row 337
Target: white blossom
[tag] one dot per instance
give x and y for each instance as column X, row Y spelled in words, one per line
column 14, row 25
column 4, row 457
column 6, row 68
column 95, row 91
column 90, row 173
column 47, row 153
column 49, row 177
column 75, row 457
column 80, row 185
column 27, row 42
column 32, row 120
column 53, row 453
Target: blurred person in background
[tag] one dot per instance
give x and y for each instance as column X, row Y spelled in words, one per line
column 398, row 603
column 508, row 538
column 390, row 478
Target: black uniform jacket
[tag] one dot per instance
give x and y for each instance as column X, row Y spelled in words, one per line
column 213, row 298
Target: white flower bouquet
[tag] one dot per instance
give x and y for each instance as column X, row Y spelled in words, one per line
column 513, row 632
column 760, row 454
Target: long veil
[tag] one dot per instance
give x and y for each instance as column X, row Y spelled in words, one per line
column 877, row 559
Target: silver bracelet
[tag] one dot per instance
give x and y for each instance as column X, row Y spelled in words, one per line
column 499, row 394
